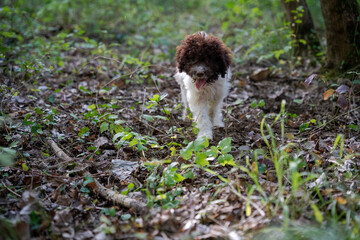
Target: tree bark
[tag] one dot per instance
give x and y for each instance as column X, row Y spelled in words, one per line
column 302, row 25
column 342, row 33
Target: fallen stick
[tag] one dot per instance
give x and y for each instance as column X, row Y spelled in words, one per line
column 98, row 188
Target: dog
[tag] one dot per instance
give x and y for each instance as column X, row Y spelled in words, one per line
column 203, row 73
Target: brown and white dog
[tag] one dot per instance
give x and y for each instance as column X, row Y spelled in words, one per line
column 203, row 73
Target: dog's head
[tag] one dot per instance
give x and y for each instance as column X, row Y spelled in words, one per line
column 203, row 57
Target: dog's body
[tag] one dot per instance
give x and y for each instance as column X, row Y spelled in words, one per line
column 204, row 77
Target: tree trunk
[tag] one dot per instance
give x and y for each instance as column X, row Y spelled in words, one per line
column 302, row 25
column 342, row 33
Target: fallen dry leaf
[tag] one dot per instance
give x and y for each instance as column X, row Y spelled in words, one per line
column 328, row 94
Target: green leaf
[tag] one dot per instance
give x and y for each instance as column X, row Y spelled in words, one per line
column 337, row 140
column 88, row 179
column 84, row 132
column 353, row 127
column 254, row 104
column 162, row 117
column 7, row 156
column 126, row 137
column 24, row 167
column 92, row 107
column 133, row 142
column 262, row 168
column 109, row 212
column 148, row 117
column 318, row 215
column 170, row 177
column 247, row 208
column 212, row 152
column 178, row 177
column 298, row 101
column 141, row 147
column 84, row 190
column 118, row 135
column 104, row 126
column 51, row 98
column 225, row 26
column 200, row 144
column 187, row 152
column 125, row 217
column 237, row 9
column 303, row 127
column 129, row 187
column 155, row 98
column 226, row 159
column 112, row 116
column 189, row 175
column 200, row 159
column 225, row 145
column 261, row 103
column 84, row 90
column 173, row 151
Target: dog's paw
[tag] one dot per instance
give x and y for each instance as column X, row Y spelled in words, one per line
column 219, row 123
column 206, row 134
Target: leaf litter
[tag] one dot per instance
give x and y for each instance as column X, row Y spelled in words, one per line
column 71, row 186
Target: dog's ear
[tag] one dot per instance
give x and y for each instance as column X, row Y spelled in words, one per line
column 226, row 58
column 222, row 57
column 179, row 56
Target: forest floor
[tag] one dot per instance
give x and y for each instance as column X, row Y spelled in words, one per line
column 116, row 128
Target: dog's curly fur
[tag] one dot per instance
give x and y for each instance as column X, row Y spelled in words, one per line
column 208, row 49
column 203, row 73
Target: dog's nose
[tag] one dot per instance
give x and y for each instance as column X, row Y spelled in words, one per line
column 200, row 74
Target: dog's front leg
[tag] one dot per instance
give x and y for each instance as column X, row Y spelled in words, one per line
column 201, row 117
column 184, row 100
column 216, row 115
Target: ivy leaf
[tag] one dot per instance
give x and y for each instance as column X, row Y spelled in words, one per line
column 171, row 177
column 200, row 144
column 225, row 145
column 226, row 159
column 187, row 152
column 212, row 152
column 189, row 175
column 200, row 159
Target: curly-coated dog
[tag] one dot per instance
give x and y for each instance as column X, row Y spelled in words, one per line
column 203, row 73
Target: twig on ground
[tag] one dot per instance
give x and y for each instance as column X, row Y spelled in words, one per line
column 108, row 194
column 15, row 193
column 118, row 198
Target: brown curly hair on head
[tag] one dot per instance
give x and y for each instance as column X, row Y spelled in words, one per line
column 206, row 49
